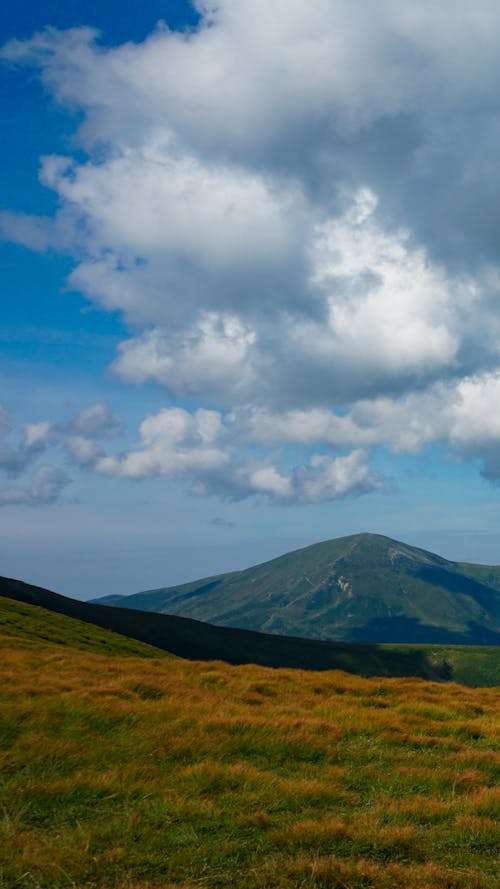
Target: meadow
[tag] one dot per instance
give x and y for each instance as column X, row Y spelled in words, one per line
column 129, row 769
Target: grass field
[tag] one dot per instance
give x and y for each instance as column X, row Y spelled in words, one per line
column 141, row 772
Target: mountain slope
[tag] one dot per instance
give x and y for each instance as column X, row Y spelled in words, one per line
column 198, row 641
column 362, row 588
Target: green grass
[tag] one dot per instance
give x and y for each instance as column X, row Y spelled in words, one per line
column 32, row 626
column 474, row 665
column 121, row 772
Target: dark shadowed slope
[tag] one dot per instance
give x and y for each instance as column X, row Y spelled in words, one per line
column 363, row 588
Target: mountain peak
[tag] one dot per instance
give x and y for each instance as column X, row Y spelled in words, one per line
column 364, row 587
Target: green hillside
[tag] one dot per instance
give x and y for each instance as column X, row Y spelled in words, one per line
column 38, row 616
column 363, row 588
column 34, row 627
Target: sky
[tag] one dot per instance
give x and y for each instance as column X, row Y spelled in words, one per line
column 250, row 259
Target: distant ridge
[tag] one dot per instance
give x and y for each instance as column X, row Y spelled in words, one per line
column 362, row 588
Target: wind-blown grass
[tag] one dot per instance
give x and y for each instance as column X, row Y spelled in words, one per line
column 123, row 772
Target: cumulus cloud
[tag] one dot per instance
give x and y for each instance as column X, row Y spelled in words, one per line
column 173, row 442
column 200, row 447
column 83, row 451
column 298, row 216
column 96, row 421
column 383, row 317
column 35, row 437
column 462, row 415
column 83, row 432
column 38, row 435
column 47, row 484
column 322, row 479
column 80, row 436
column 211, row 356
column 332, row 479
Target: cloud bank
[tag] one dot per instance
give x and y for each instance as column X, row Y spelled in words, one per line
column 297, row 214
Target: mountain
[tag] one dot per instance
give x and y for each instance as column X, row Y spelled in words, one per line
column 39, row 616
column 363, row 588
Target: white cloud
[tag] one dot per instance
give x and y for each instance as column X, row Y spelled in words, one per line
column 210, row 356
column 462, row 415
column 474, row 422
column 96, row 421
column 46, row 486
column 253, row 70
column 403, row 424
column 79, row 435
column 298, row 216
column 29, row 231
column 268, row 480
column 155, row 198
column 82, row 450
column 200, row 448
column 173, row 442
column 381, row 316
column 38, row 435
column 34, row 439
column 388, row 307
column 333, row 479
column 322, row 479
column 475, row 411
column 188, row 235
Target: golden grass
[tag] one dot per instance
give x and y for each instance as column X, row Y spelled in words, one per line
column 129, row 773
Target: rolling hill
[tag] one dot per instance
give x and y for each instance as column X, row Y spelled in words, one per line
column 363, row 588
column 41, row 612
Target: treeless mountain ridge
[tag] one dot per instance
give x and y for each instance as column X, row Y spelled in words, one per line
column 362, row 588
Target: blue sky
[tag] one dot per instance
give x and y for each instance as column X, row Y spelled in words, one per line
column 250, row 275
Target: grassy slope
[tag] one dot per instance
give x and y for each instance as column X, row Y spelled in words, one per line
column 33, row 626
column 363, row 588
column 135, row 773
column 488, row 574
column 474, row 665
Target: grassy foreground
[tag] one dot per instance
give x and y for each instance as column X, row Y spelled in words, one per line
column 140, row 772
